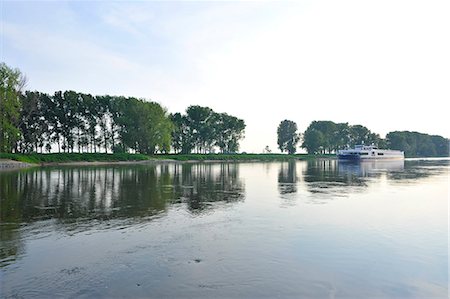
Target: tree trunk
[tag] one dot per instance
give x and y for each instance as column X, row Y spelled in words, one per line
column 106, row 143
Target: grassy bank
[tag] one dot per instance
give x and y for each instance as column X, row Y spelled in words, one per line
column 238, row 157
column 101, row 157
column 72, row 157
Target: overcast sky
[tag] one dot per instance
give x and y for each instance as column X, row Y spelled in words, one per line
column 382, row 64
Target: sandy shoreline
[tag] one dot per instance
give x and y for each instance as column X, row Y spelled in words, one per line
column 11, row 164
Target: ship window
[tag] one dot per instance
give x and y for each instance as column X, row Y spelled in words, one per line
column 380, row 154
column 363, row 154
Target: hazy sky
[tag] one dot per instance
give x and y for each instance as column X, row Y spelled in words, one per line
column 382, row 64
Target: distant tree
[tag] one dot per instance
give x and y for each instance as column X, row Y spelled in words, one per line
column 341, row 136
column 204, row 130
column 229, row 130
column 441, row 145
column 313, row 141
column 382, row 143
column 104, row 120
column 287, row 136
column 328, row 129
column 65, row 118
column 33, row 124
column 91, row 120
column 71, row 118
column 144, row 126
column 177, row 133
column 199, row 120
column 397, row 140
column 327, row 136
column 12, row 81
column 162, row 128
column 74, row 121
column 416, row 144
column 359, row 134
column 115, row 111
column 46, row 107
column 182, row 137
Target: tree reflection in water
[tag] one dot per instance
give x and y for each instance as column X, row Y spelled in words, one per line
column 76, row 199
column 327, row 180
column 318, row 176
column 201, row 185
column 335, row 177
column 109, row 192
column 76, row 196
column 287, row 177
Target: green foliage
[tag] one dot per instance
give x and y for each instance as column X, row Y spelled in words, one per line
column 416, row 144
column 19, row 157
column 328, row 137
column 313, row 141
column 33, row 124
column 143, row 126
column 118, row 149
column 200, row 121
column 11, row 83
column 287, row 136
column 182, row 140
column 76, row 121
column 230, row 130
column 202, row 129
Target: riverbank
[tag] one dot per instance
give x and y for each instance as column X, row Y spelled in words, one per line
column 12, row 164
column 237, row 157
column 24, row 160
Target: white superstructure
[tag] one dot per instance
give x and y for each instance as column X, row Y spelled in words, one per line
column 369, row 152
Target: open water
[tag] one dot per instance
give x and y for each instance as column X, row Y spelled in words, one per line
column 318, row 229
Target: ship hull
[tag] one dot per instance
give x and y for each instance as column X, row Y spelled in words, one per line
column 369, row 153
column 349, row 157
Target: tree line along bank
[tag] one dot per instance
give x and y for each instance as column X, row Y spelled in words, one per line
column 76, row 122
column 323, row 137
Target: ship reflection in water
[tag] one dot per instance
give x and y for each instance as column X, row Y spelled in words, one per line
column 368, row 168
column 326, row 180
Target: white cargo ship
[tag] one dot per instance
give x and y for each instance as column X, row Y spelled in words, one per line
column 369, row 152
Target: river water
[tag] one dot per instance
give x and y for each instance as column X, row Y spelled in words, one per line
column 318, row 229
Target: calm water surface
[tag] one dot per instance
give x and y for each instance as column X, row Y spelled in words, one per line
column 320, row 229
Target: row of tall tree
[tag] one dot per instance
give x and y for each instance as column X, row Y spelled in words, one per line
column 84, row 123
column 323, row 137
column 76, row 122
column 202, row 130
